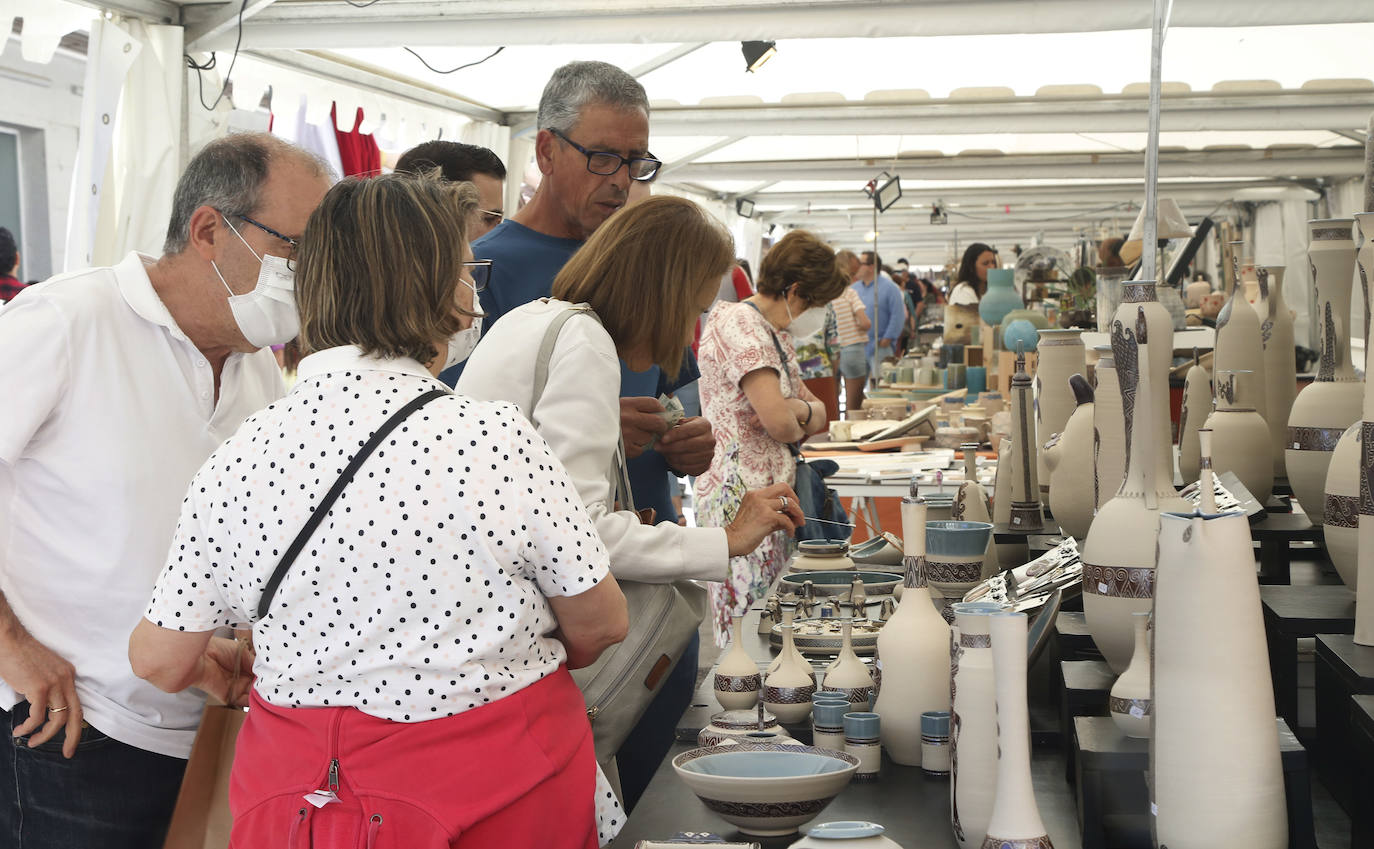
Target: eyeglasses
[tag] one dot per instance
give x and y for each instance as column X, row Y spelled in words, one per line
column 480, row 270
column 605, row 163
column 491, row 217
column 293, row 243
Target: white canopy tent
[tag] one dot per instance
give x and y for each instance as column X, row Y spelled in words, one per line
column 1024, row 121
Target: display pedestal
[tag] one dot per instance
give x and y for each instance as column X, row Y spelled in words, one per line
column 1291, row 613
column 1074, row 641
column 1086, row 691
column 1275, row 534
column 1113, row 803
column 1343, row 670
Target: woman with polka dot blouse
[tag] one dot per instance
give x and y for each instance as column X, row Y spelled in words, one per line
column 411, row 671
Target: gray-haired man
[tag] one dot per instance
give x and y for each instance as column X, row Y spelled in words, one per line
column 119, row 382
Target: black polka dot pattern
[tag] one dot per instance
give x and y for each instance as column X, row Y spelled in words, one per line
column 422, row 593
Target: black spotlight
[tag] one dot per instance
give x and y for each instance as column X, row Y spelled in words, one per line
column 756, row 53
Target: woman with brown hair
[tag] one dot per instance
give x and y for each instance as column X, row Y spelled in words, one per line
column 426, row 610
column 752, row 391
column 643, row 278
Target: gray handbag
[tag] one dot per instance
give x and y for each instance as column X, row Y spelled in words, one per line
column 663, row 617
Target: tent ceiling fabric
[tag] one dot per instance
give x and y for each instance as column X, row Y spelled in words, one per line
column 1017, row 116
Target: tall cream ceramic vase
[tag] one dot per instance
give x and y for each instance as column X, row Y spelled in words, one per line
column 1280, row 366
column 1011, row 553
column 973, row 724
column 787, row 690
column 1197, row 406
column 1015, row 821
column 1109, row 429
column 1129, row 702
column 1059, row 355
column 1241, row 440
column 971, row 504
column 1069, row 456
column 1239, row 347
column 848, row 676
column 1026, row 513
column 1119, row 553
column 1341, row 507
column 1331, row 403
column 737, row 680
column 1214, row 755
column 913, row 648
column 1138, row 295
column 1364, row 592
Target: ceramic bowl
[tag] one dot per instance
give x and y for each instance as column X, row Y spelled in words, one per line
column 765, row 789
column 734, row 725
column 825, row 584
column 846, row 834
column 878, row 551
column 951, row 538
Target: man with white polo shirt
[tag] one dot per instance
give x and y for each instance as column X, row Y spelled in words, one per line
column 118, row 384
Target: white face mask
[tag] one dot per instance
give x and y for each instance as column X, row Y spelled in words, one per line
column 460, row 344
column 808, row 323
column 267, row 315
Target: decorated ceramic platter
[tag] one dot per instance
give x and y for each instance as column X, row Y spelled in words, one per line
column 838, row 583
column 822, row 637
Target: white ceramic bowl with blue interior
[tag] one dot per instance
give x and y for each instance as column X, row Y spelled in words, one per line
column 765, row 789
column 954, row 555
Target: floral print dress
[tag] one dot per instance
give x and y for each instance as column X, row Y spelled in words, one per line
column 736, row 341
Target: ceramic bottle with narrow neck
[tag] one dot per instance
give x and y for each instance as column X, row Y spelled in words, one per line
column 1119, row 553
column 737, row 680
column 913, row 648
column 1241, row 440
column 1197, row 406
column 1238, row 346
column 1280, row 370
column 1109, row 429
column 1069, row 456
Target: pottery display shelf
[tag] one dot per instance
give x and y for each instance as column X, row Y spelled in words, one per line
column 1362, row 723
column 1276, row 533
column 1291, row 613
column 1343, row 670
column 1111, row 786
column 1085, row 690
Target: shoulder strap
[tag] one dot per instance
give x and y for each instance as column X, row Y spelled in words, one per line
column 322, row 509
column 791, row 447
column 621, row 484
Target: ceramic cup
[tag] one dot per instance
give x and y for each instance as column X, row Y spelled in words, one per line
column 935, row 742
column 861, row 739
column 956, row 374
column 976, row 380
column 954, row 555
column 827, row 724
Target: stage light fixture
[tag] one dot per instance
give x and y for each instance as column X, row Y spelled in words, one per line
column 756, row 53
column 744, row 207
column 938, row 214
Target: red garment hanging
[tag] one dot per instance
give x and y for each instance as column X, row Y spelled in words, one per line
column 358, row 152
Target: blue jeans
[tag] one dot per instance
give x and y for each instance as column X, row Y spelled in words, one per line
column 110, row 796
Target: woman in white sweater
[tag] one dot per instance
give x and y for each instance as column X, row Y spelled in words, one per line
column 647, row 275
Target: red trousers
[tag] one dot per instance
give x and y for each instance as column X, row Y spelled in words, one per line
column 519, row 772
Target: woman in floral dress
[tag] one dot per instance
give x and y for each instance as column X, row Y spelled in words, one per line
column 752, row 391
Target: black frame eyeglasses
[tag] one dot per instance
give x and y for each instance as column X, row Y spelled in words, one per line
column 480, row 269
column 294, row 244
column 641, row 168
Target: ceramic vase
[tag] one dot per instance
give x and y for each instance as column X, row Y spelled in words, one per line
column 1000, row 298
column 1140, row 295
column 737, row 679
column 973, row 724
column 914, row 650
column 1241, row 441
column 789, row 615
column 1364, row 595
column 849, row 676
column 1129, row 703
column 1119, row 553
column 1197, row 406
column 971, row 504
column 1109, row 429
column 1011, row 553
column 1331, row 403
column 787, row 690
column 1060, row 357
column 1026, row 514
column 1015, row 822
column 1280, row 370
column 1216, row 777
column 1239, row 348
column 1341, row 506
column 1069, row 456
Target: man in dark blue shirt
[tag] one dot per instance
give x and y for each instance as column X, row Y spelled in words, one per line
column 592, row 145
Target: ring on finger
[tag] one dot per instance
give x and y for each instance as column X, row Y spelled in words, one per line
column 57, row 709
column 784, row 502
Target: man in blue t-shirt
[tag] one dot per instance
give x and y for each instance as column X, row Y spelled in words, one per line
column 592, row 145
column 873, row 285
